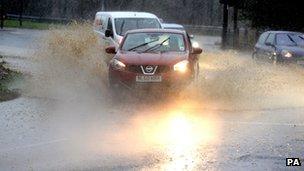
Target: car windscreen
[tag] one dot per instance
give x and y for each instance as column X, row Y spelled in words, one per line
column 284, row 39
column 175, row 28
column 298, row 38
column 122, row 25
column 154, row 42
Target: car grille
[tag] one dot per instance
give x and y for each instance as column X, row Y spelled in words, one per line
column 137, row 68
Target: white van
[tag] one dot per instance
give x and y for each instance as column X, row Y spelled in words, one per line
column 111, row 26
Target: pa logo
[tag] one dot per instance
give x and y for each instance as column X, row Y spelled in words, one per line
column 293, row 162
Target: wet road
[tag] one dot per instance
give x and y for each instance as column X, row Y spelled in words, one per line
column 43, row 134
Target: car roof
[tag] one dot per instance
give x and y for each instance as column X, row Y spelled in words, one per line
column 172, row 25
column 127, row 14
column 157, row 31
column 281, row 31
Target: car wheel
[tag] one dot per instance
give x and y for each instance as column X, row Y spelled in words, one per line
column 196, row 74
column 112, row 81
column 255, row 56
column 274, row 60
column 114, row 88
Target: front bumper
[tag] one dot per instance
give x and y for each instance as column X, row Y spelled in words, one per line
column 297, row 59
column 292, row 61
column 170, row 80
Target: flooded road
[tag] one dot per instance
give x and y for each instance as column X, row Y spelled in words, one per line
column 76, row 126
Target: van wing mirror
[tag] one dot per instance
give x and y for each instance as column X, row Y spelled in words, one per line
column 197, row 50
column 109, row 33
column 111, row 50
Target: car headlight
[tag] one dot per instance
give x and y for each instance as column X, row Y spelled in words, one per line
column 117, row 64
column 195, row 44
column 181, row 66
column 286, row 54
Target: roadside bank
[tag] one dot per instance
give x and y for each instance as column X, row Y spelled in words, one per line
column 8, row 78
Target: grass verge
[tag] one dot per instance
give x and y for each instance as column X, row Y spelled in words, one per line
column 7, row 77
column 29, row 24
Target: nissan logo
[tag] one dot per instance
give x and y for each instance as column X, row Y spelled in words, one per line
column 149, row 69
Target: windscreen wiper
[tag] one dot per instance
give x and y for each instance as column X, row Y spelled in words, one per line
column 157, row 45
column 290, row 38
column 141, row 45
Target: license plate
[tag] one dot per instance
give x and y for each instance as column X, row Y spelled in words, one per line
column 300, row 62
column 148, row 78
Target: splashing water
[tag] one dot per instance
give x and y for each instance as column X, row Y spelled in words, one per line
column 71, row 65
column 232, row 81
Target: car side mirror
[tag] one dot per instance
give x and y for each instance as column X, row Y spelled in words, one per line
column 197, row 50
column 111, row 50
column 109, row 33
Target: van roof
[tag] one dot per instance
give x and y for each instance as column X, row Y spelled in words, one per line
column 284, row 32
column 127, row 14
column 157, row 31
column 172, row 25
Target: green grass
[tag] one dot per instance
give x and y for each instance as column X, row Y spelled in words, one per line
column 28, row 24
column 7, row 81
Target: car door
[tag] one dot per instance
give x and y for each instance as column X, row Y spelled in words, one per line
column 268, row 49
column 258, row 49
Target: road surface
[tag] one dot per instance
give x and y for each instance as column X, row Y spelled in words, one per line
column 38, row 133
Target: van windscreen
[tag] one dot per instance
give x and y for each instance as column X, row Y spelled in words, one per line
column 122, row 25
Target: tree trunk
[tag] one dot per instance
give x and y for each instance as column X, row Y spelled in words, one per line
column 143, row 5
column 210, row 5
column 225, row 25
column 20, row 13
column 2, row 14
column 235, row 28
column 103, row 5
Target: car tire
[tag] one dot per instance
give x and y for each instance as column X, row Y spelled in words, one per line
column 254, row 56
column 114, row 88
column 274, row 60
column 196, row 75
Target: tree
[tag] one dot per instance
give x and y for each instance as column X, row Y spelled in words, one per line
column 274, row 14
column 200, row 12
column 1, row 14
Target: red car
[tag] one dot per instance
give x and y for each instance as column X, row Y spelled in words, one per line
column 153, row 57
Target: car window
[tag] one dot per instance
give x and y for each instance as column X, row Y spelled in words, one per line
column 285, row 40
column 270, row 39
column 103, row 23
column 263, row 38
column 171, row 42
column 99, row 23
column 175, row 28
column 110, row 26
column 122, row 25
